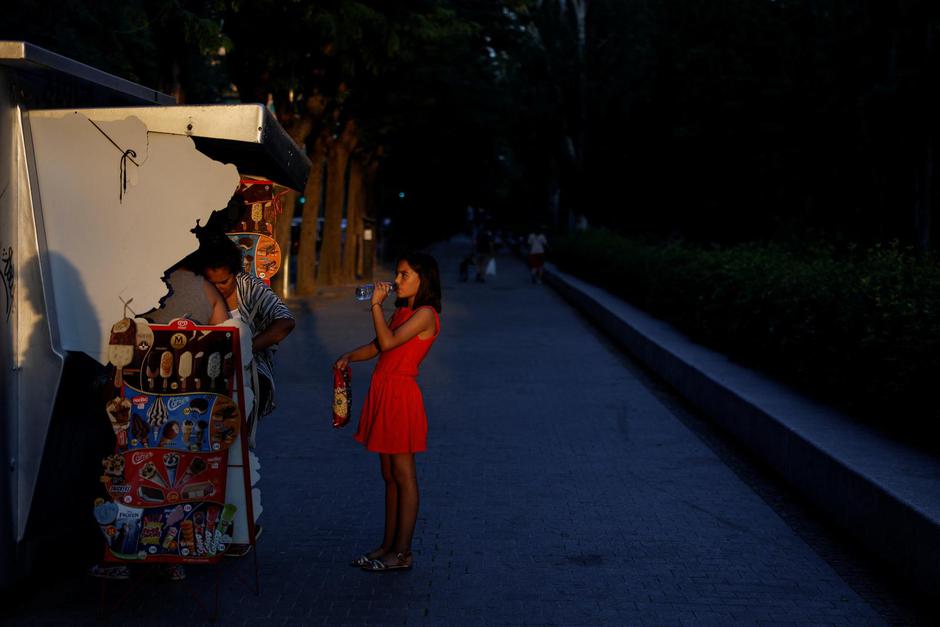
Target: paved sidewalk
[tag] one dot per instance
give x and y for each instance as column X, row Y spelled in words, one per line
column 558, row 490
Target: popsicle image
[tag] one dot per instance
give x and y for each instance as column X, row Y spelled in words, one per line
column 149, row 472
column 214, row 369
column 169, row 541
column 121, row 348
column 151, row 373
column 257, row 214
column 197, row 368
column 200, row 522
column 225, row 523
column 170, row 431
column 212, row 516
column 185, row 368
column 156, row 417
column 171, row 462
column 228, row 369
column 166, row 367
column 187, row 430
column 175, row 516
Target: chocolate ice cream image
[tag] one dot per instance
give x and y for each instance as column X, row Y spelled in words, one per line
column 149, row 472
column 196, row 467
column 170, row 431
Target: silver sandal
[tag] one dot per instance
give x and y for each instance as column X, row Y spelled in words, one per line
column 378, row 566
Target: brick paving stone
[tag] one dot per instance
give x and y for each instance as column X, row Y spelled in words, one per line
column 559, row 489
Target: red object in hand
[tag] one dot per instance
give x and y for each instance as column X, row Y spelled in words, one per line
column 342, row 396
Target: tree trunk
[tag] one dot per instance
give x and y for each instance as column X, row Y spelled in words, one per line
column 307, row 255
column 352, row 251
column 331, row 270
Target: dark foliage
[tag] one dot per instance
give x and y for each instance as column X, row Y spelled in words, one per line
column 860, row 328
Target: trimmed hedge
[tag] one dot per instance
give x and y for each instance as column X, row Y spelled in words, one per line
column 861, row 330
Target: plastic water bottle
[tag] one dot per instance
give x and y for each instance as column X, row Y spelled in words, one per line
column 364, row 292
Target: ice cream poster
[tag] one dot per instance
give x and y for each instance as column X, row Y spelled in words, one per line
column 172, row 359
column 193, row 532
column 150, row 477
column 261, row 255
column 185, row 422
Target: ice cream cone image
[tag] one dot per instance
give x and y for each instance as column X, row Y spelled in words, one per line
column 156, row 417
column 200, row 432
column 187, row 430
column 170, row 431
column 171, row 462
column 119, row 411
column 149, row 472
column 196, row 467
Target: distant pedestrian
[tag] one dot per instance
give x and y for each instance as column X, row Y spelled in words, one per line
column 393, row 422
column 485, row 252
column 537, row 245
column 463, row 271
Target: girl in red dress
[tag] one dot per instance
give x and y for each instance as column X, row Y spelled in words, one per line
column 393, row 423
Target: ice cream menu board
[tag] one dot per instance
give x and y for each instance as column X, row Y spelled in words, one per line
column 253, row 231
column 261, row 256
column 174, row 417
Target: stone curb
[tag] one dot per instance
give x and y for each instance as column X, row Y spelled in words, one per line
column 883, row 493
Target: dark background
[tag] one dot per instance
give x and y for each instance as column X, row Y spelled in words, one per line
column 710, row 120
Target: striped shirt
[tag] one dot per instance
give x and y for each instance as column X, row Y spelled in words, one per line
column 255, row 296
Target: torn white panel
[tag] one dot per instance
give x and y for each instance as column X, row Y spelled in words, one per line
column 103, row 248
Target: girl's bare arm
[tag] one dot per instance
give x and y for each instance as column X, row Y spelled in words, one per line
column 421, row 323
column 363, row 353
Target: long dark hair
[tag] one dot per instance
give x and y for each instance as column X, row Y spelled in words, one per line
column 218, row 251
column 429, row 292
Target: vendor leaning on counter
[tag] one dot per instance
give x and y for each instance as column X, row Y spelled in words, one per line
column 224, row 290
column 250, row 300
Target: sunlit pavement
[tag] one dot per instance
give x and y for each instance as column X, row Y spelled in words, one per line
column 560, row 487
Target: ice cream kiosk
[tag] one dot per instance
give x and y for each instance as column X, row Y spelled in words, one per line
column 101, row 181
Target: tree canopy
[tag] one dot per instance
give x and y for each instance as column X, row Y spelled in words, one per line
column 717, row 120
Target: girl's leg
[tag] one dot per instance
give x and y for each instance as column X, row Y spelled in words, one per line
column 406, row 481
column 391, row 507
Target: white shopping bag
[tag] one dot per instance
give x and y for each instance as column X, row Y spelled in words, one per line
column 491, row 267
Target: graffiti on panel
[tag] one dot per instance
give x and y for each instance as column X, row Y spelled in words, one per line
column 8, row 276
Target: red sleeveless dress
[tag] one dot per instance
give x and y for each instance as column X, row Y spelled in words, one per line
column 393, row 418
